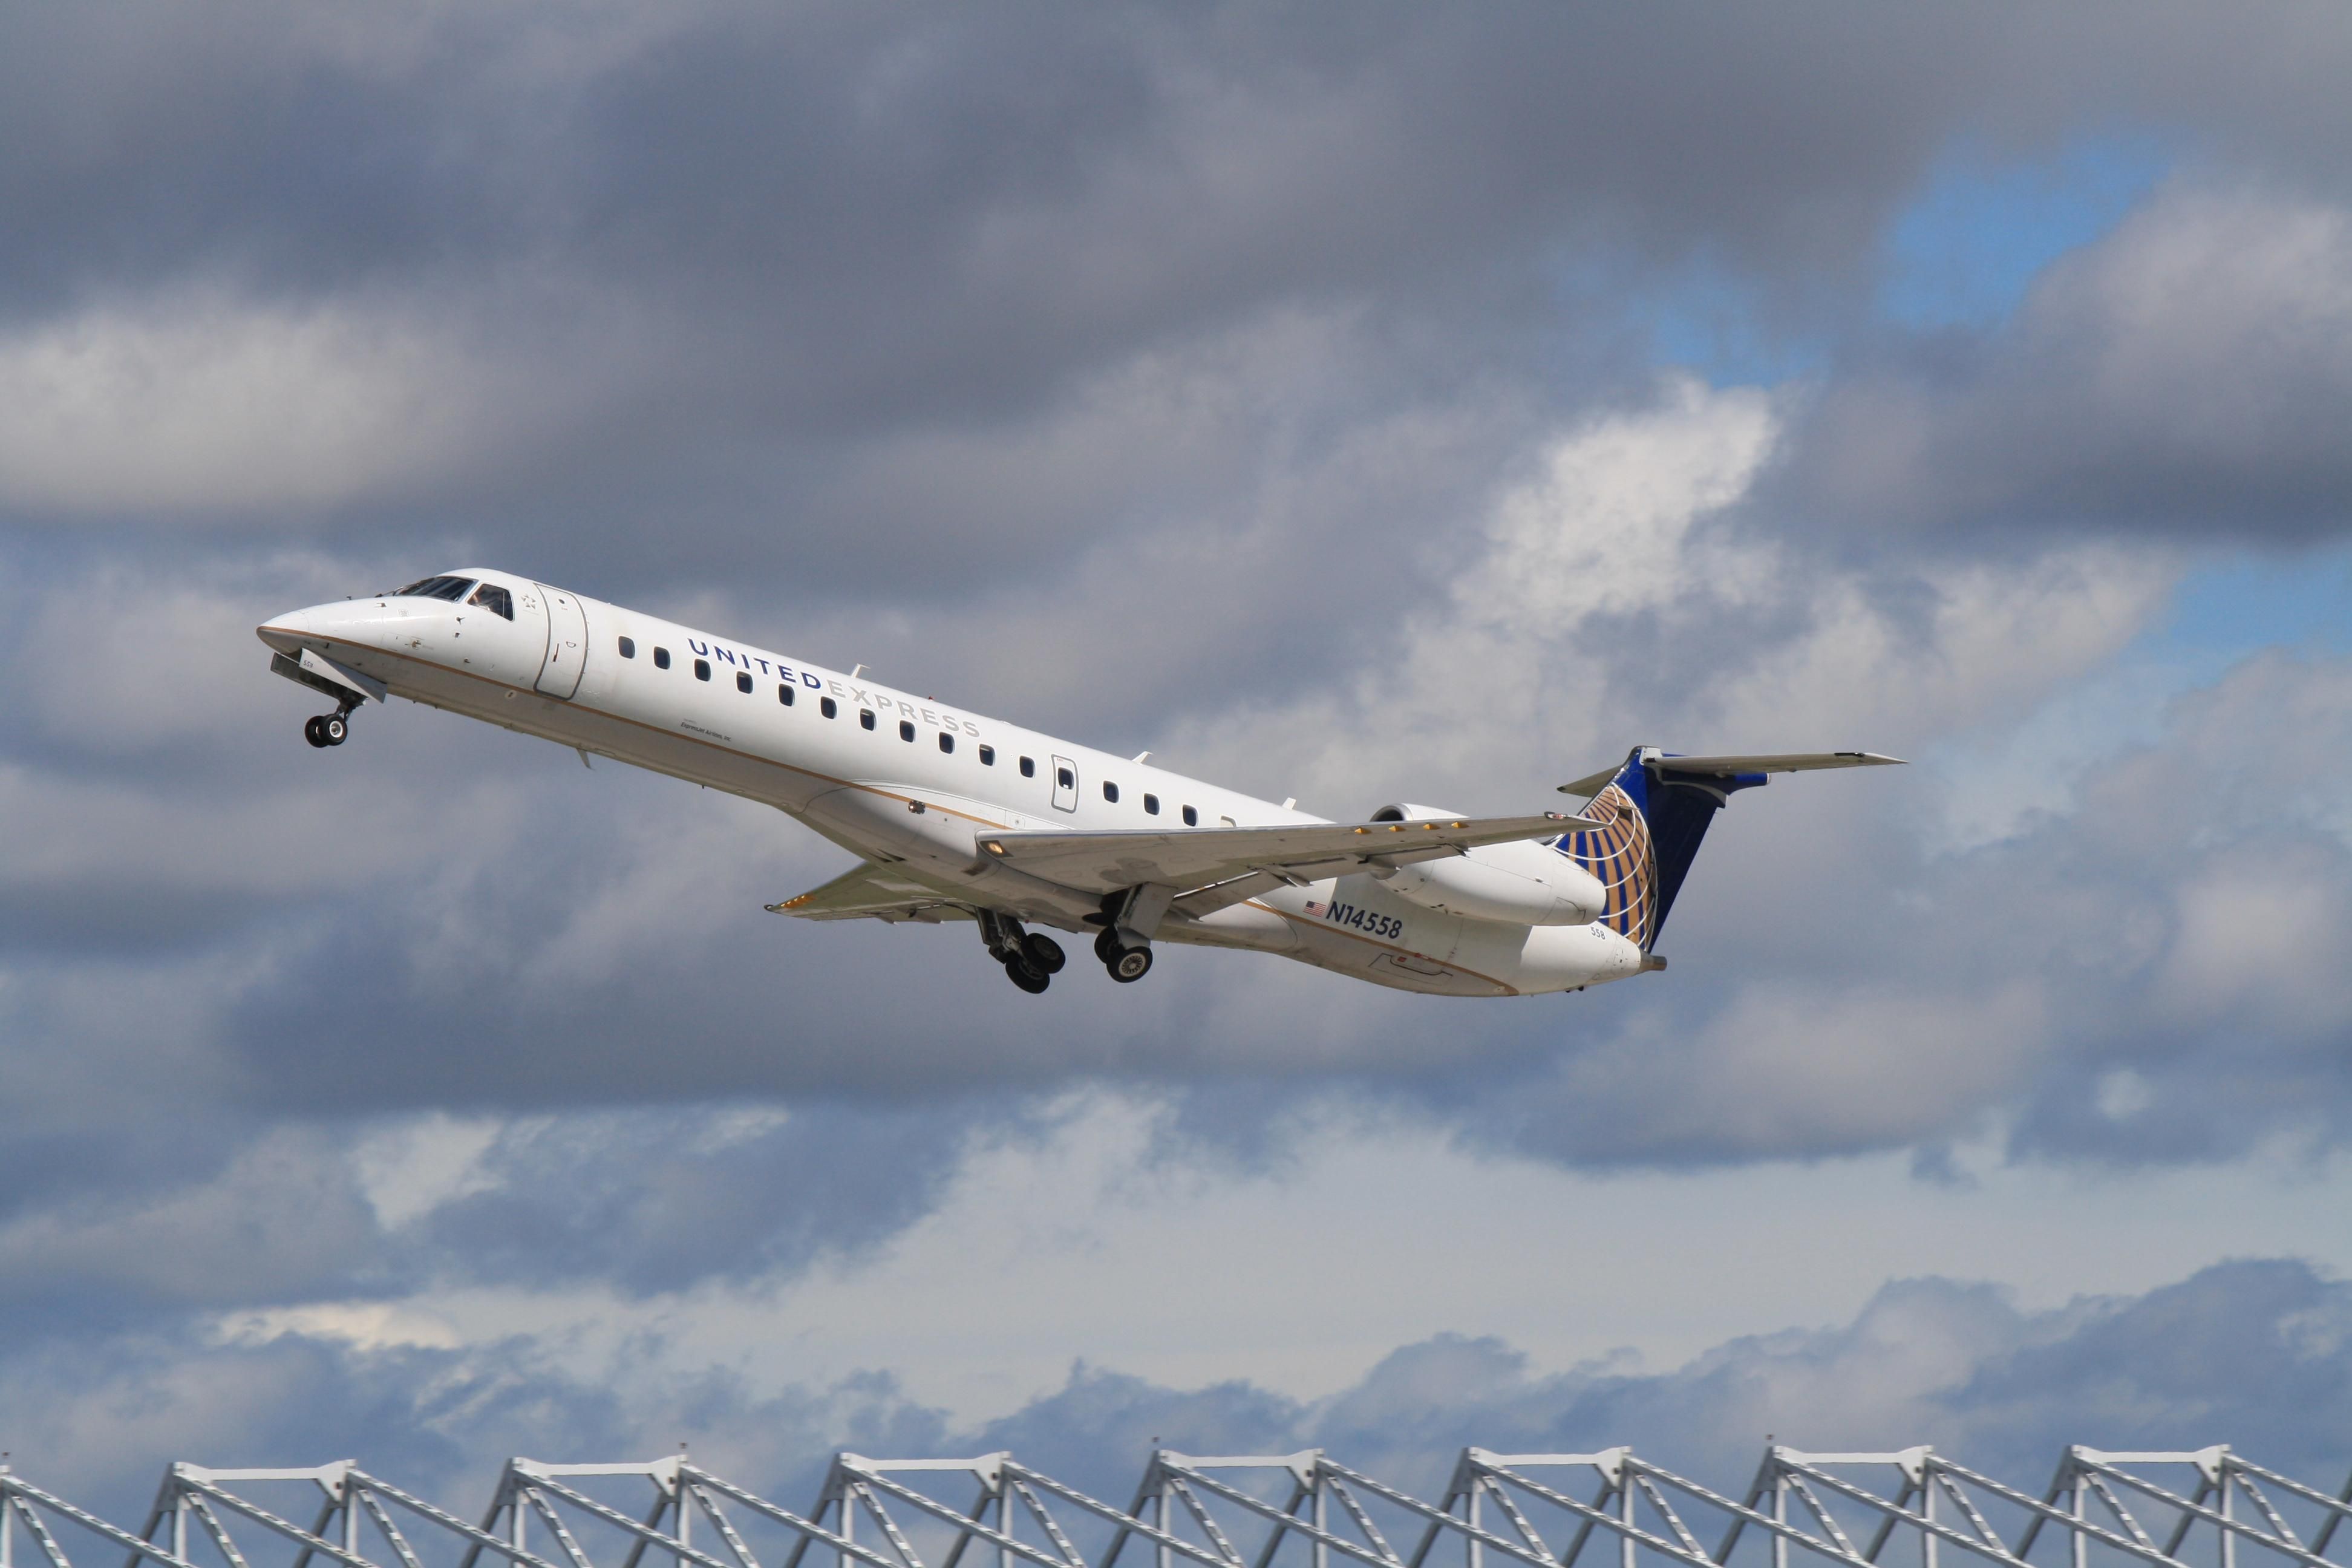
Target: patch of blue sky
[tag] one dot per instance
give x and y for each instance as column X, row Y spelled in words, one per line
column 1707, row 321
column 2223, row 611
column 1965, row 252
column 1962, row 254
column 2249, row 601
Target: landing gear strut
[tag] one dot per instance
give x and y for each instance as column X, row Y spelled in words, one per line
column 1030, row 959
column 327, row 729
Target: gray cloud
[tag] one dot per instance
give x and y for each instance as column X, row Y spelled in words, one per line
column 2191, row 374
column 244, row 1215
column 711, row 270
column 650, row 1204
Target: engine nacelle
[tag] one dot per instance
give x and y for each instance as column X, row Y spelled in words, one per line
column 1528, row 884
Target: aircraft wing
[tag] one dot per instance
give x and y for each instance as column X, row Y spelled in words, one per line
column 873, row 891
column 1724, row 767
column 1187, row 857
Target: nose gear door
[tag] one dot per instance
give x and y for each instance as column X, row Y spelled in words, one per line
column 1066, row 785
column 567, row 643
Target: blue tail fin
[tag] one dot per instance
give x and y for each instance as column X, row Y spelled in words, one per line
column 1655, row 820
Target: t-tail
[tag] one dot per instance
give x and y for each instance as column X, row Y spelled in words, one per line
column 1656, row 809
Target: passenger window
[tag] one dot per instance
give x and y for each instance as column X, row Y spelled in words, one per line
column 661, row 658
column 906, row 731
column 701, row 669
column 743, row 681
column 1065, row 778
column 1192, row 817
column 947, row 742
column 784, row 695
column 1110, row 792
column 495, row 599
column 629, row 648
column 866, row 717
column 987, row 756
column 826, row 706
column 1151, row 805
column 1028, row 768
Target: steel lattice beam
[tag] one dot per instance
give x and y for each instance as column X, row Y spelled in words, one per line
column 2190, row 1508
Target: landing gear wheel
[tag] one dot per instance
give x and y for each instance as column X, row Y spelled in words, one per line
column 1107, row 945
column 314, row 730
column 1043, row 953
column 334, row 727
column 1028, row 979
column 1131, row 965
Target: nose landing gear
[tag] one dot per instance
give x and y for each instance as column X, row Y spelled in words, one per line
column 327, row 729
column 1030, row 959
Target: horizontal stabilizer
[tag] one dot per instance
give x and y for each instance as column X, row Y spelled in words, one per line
column 1727, row 767
column 1188, row 857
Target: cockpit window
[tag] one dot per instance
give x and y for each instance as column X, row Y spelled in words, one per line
column 450, row 588
column 492, row 597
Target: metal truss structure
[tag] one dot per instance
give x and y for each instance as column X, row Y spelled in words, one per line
column 2185, row 1509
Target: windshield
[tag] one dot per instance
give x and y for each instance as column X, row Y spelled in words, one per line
column 449, row 588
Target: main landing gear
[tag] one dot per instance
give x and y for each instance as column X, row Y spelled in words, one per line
column 327, row 729
column 1128, row 920
column 1127, row 965
column 1030, row 959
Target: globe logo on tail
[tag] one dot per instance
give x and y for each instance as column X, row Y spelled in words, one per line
column 1621, row 857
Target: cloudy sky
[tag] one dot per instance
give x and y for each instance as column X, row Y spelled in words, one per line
column 1351, row 404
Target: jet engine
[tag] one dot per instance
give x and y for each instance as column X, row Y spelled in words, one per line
column 1524, row 884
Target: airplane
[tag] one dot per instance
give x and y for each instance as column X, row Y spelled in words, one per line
column 956, row 816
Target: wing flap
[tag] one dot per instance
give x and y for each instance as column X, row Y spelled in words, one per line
column 1224, row 895
column 873, row 891
column 1193, row 857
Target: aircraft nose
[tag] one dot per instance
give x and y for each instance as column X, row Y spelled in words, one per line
column 289, row 633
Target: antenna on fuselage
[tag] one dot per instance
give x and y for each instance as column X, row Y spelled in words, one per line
column 855, row 670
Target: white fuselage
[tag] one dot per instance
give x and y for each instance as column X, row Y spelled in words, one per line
column 906, row 780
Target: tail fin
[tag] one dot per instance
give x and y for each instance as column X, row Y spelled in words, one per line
column 1656, row 818
column 1657, row 809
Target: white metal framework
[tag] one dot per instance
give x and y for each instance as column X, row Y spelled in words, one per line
column 2179, row 1510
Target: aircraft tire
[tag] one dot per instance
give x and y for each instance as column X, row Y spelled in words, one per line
column 1107, row 945
column 1043, row 953
column 1131, row 965
column 314, row 730
column 1028, row 979
column 334, row 727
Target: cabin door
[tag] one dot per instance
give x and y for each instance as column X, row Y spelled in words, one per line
column 567, row 643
